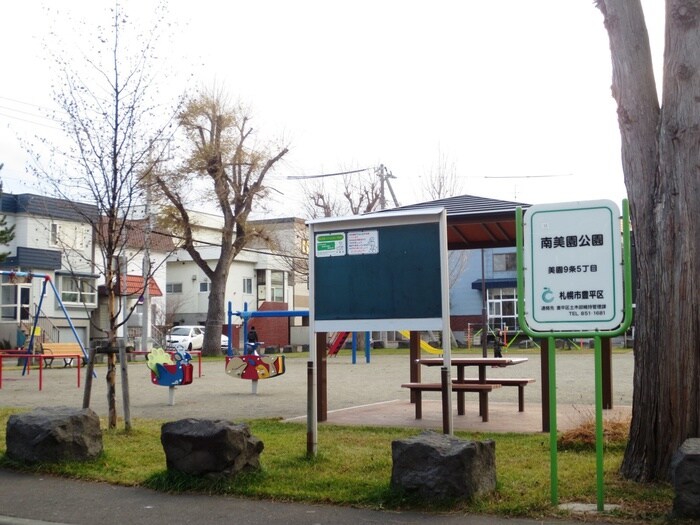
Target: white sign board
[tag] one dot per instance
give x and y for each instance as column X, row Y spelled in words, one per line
column 572, row 267
column 363, row 242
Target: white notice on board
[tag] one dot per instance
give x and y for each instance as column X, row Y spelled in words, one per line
column 364, row 242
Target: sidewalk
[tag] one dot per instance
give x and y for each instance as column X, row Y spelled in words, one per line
column 28, row 499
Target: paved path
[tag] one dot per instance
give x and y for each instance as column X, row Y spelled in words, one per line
column 27, row 499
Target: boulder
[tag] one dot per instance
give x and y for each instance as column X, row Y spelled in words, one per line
column 438, row 466
column 50, row 435
column 685, row 476
column 210, row 447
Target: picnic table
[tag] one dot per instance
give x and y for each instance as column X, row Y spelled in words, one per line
column 482, row 385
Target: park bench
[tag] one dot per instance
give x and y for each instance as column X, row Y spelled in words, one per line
column 61, row 351
column 505, row 381
column 482, row 388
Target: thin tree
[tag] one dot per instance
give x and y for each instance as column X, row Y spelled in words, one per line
column 660, row 165
column 225, row 160
column 111, row 122
column 441, row 180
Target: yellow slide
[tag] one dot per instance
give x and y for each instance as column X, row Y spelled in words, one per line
column 423, row 345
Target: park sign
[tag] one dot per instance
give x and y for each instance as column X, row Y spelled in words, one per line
column 572, row 269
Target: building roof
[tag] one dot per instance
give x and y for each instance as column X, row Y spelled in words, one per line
column 51, row 207
column 135, row 236
column 475, row 222
column 134, row 286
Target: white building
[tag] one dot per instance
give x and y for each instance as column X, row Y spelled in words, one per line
column 260, row 276
column 53, row 238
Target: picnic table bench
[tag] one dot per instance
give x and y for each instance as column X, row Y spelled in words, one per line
column 482, row 389
column 520, row 382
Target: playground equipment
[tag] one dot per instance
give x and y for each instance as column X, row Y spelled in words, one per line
column 170, row 370
column 251, row 365
column 27, row 277
column 423, row 345
column 337, row 343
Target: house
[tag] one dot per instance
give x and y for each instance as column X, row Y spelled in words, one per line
column 53, row 237
column 262, row 277
column 137, row 236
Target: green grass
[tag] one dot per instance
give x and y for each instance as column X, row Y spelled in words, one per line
column 354, row 468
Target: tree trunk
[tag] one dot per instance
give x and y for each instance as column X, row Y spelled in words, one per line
column 216, row 312
column 659, row 156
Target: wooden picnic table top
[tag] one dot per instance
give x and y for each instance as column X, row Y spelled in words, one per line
column 473, row 361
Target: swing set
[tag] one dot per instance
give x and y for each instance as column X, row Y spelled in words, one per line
column 27, row 277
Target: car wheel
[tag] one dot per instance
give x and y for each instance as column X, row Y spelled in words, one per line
column 189, row 348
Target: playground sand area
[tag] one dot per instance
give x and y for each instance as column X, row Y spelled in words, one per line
column 358, row 394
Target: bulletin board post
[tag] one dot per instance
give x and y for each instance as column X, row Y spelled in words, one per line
column 380, row 271
column 551, row 298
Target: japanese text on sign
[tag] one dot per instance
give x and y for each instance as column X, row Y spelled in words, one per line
column 573, row 274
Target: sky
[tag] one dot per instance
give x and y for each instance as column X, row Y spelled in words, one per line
column 515, row 95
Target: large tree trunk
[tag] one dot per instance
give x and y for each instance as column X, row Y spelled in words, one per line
column 216, row 313
column 660, row 163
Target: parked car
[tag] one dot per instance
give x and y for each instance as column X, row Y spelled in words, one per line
column 187, row 337
column 224, row 343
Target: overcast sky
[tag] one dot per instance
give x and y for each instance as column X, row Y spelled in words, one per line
column 507, row 91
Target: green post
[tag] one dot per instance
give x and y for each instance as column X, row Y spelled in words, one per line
column 599, row 420
column 553, row 462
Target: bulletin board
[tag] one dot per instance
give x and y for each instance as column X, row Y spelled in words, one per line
column 381, row 271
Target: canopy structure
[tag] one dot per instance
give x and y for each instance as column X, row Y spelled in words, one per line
column 475, row 222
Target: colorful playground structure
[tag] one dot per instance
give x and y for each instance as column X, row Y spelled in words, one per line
column 170, row 369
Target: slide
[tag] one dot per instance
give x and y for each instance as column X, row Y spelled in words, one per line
column 423, row 345
column 338, row 342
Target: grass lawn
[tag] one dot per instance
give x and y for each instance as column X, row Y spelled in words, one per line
column 354, row 468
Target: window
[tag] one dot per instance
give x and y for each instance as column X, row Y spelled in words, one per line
column 173, row 288
column 204, row 287
column 502, row 308
column 247, row 285
column 504, row 262
column 8, row 300
column 277, row 285
column 78, row 290
column 55, row 234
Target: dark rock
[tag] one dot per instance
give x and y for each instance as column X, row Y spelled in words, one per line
column 685, row 475
column 438, row 466
column 210, row 447
column 51, row 435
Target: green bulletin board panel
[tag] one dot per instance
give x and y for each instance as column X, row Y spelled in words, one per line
column 402, row 280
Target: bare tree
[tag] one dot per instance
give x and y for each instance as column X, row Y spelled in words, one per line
column 359, row 191
column 224, row 158
column 659, row 158
column 111, row 122
column 362, row 192
column 441, row 180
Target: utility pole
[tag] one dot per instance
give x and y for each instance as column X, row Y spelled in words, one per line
column 384, row 176
column 146, row 305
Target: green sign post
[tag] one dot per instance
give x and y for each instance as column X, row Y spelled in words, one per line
column 570, row 284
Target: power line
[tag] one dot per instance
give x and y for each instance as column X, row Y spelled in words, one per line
column 297, row 177
column 31, row 121
column 24, row 103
